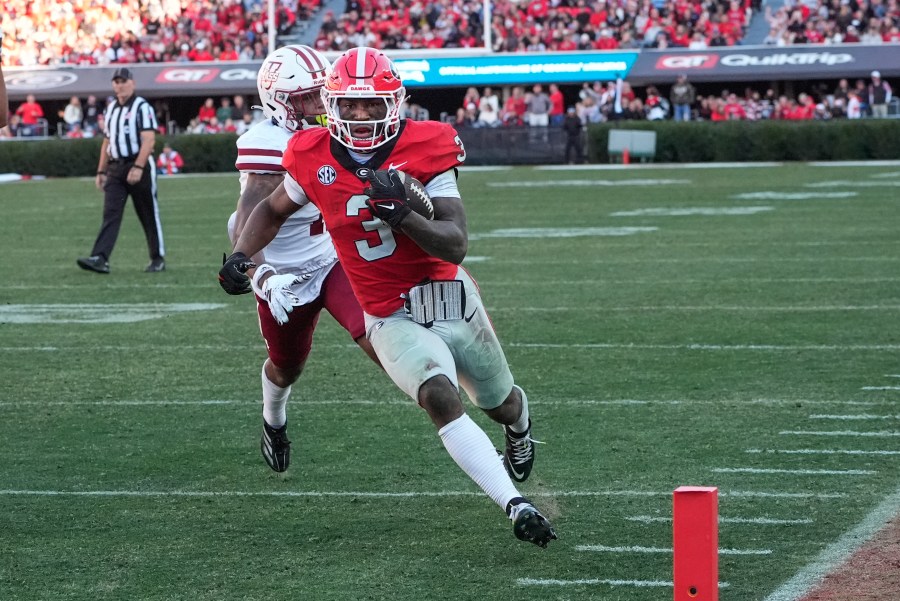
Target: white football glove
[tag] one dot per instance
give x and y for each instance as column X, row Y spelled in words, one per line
column 276, row 291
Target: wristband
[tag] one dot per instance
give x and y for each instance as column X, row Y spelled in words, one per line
column 261, row 270
column 101, row 173
column 139, row 167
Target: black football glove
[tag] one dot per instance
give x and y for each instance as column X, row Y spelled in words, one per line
column 233, row 275
column 387, row 196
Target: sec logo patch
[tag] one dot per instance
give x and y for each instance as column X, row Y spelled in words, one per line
column 326, row 175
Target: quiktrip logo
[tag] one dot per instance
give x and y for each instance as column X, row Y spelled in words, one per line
column 788, row 58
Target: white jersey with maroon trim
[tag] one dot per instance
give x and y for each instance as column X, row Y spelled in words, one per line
column 302, row 245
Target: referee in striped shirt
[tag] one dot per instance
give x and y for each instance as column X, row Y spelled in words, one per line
column 126, row 168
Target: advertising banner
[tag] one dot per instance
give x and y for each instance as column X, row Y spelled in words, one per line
column 767, row 63
column 430, row 69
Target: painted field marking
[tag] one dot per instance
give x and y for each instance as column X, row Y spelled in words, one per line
column 792, row 195
column 96, row 313
column 510, row 283
column 596, row 581
column 798, row 472
column 837, row 552
column 712, row 347
column 639, row 549
column 784, row 495
column 880, row 434
column 823, row 452
column 390, row 495
column 892, row 376
column 655, row 166
column 405, row 402
column 853, row 184
column 537, row 345
column 590, row 182
column 561, row 232
column 650, row 519
column 657, row 308
column 880, row 388
column 692, row 211
column 832, row 164
column 856, row 416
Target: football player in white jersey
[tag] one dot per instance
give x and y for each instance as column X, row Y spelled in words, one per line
column 297, row 274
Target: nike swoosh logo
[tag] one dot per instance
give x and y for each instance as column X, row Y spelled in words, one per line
column 397, row 166
column 514, row 472
column 469, row 318
column 389, row 207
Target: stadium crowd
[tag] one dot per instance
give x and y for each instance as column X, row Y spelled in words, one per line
column 84, row 32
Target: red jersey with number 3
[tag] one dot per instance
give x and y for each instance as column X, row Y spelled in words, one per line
column 380, row 262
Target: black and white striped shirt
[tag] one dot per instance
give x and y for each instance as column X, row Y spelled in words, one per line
column 124, row 124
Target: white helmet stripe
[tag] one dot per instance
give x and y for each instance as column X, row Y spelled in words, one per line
column 361, row 54
column 313, row 63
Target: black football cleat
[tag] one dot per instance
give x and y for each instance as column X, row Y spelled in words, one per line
column 530, row 526
column 519, row 456
column 156, row 265
column 275, row 447
column 95, row 263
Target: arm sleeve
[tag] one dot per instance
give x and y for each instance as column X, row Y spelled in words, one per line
column 294, row 191
column 443, row 185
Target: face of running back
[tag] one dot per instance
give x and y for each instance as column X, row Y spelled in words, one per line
column 362, row 110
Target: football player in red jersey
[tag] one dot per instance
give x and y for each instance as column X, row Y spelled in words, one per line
column 424, row 314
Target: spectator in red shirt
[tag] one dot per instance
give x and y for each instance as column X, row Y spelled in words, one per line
column 229, row 53
column 29, row 112
column 557, row 106
column 207, row 111
column 733, row 109
column 606, row 41
column 514, row 107
column 169, row 161
column 200, row 53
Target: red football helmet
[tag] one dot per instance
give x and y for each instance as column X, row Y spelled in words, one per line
column 368, row 74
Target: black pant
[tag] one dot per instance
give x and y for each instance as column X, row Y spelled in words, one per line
column 574, row 143
column 143, row 195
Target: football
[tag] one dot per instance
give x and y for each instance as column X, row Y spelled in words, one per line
column 416, row 196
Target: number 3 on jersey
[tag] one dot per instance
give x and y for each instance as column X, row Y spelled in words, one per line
column 386, row 246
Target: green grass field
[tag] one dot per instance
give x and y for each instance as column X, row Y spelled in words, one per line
column 726, row 327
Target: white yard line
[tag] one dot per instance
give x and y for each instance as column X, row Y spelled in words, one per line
column 510, row 283
column 796, row 472
column 653, row 166
column 651, row 519
column 837, row 552
column 639, row 549
column 540, row 345
column 837, row 433
column 880, row 388
column 823, row 452
column 392, row 495
column 657, row 308
column 855, row 416
column 600, row 581
column 405, row 402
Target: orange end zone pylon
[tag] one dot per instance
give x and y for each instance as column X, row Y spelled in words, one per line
column 695, row 538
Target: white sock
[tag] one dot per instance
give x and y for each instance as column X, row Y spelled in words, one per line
column 473, row 451
column 274, row 400
column 521, row 424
